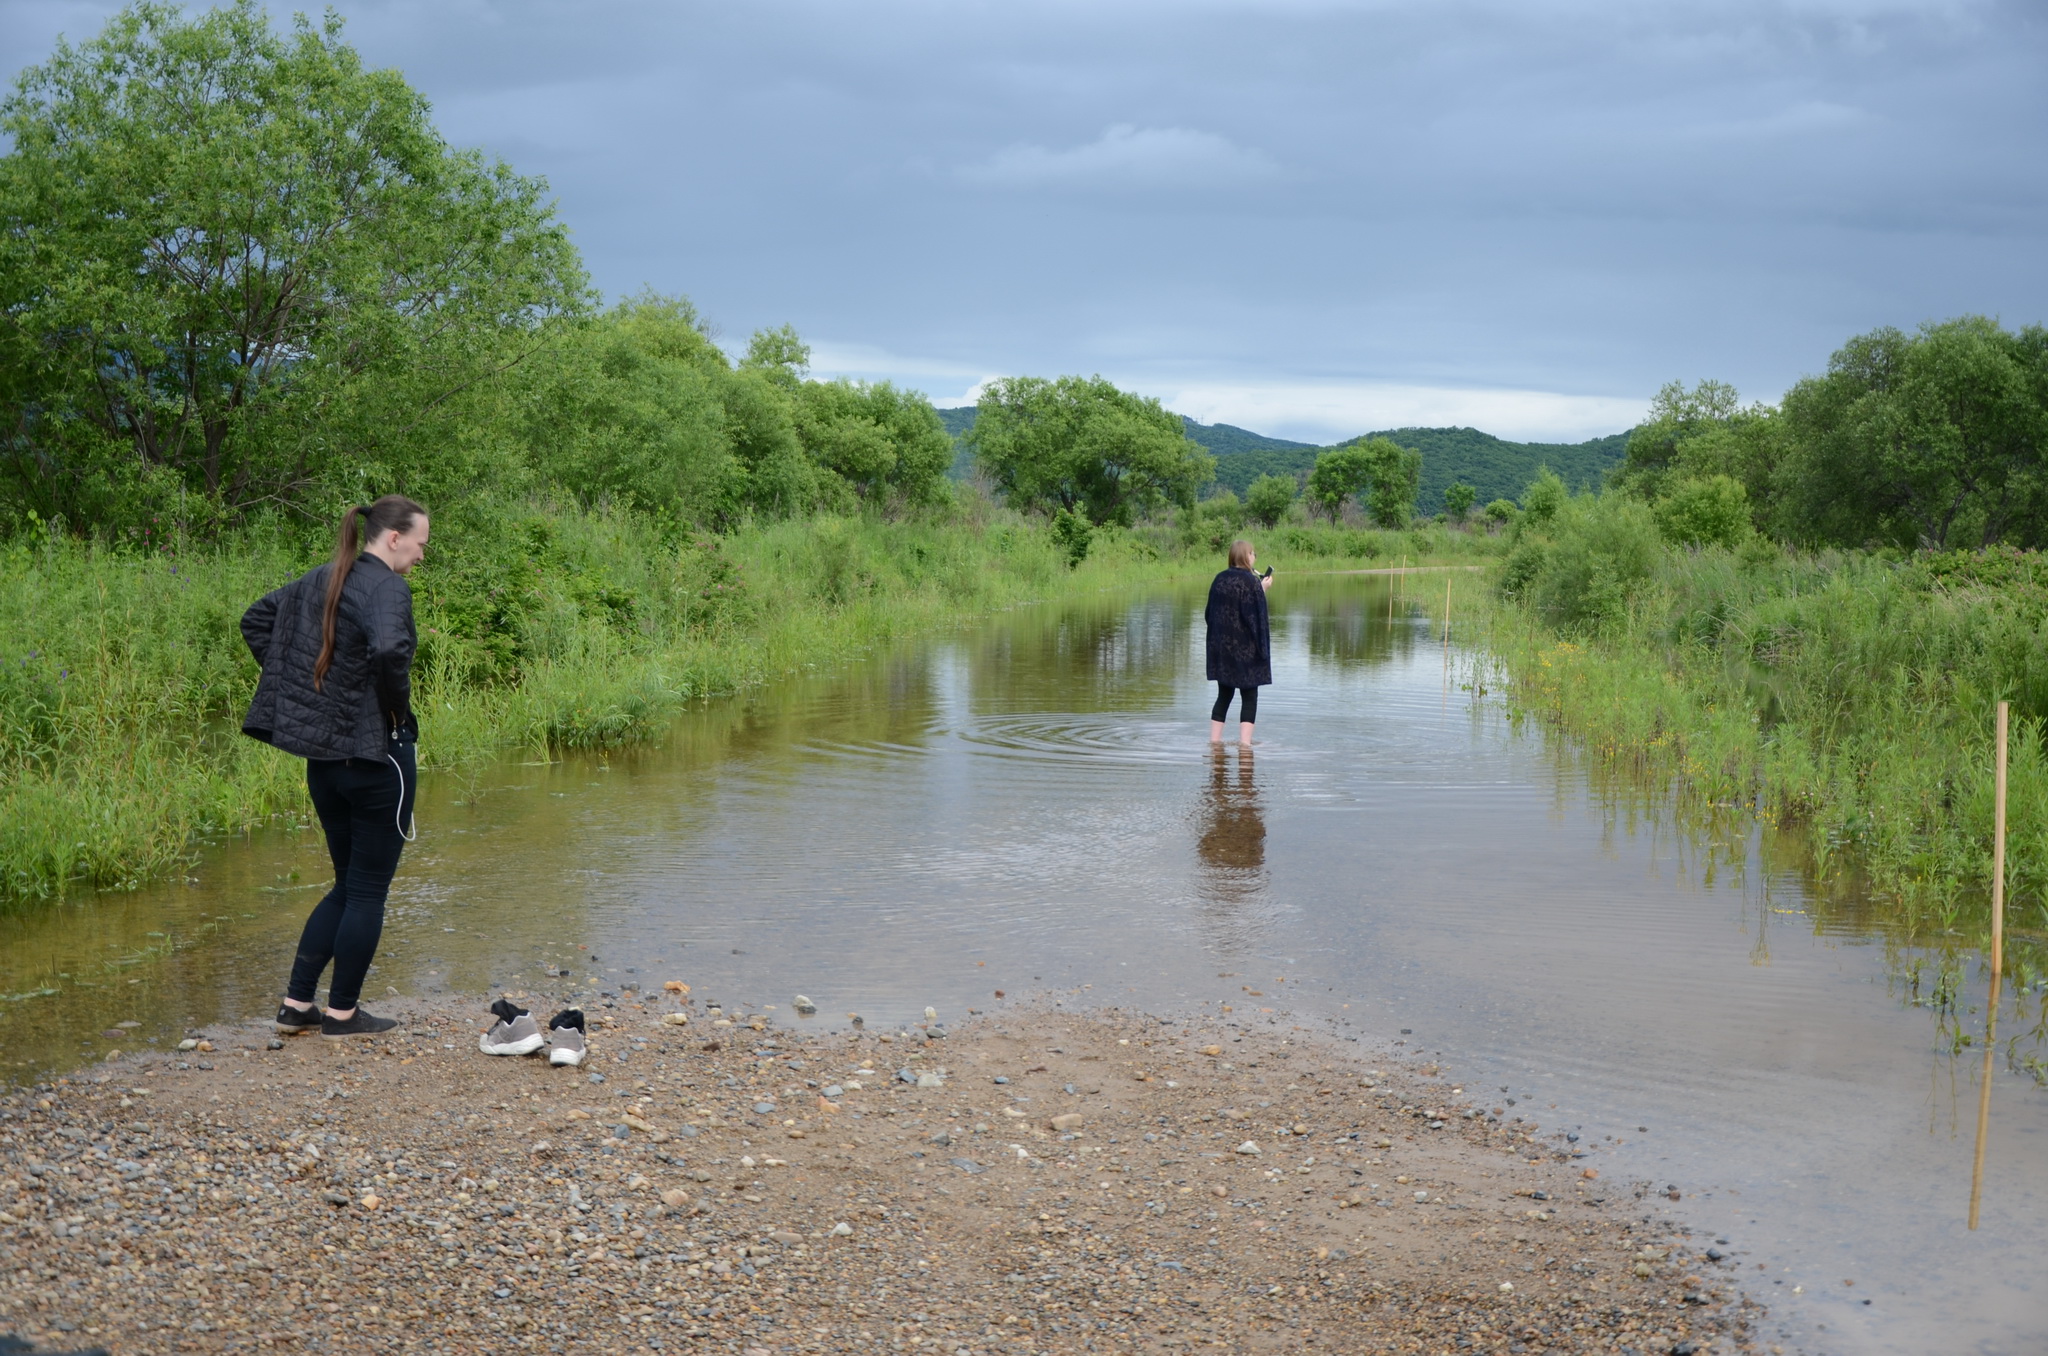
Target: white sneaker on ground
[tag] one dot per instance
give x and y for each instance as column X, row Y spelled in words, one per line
column 515, row 1033
column 565, row 1038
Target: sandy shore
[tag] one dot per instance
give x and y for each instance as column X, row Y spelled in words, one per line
column 1045, row 1181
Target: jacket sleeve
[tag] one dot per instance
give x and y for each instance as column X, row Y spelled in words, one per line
column 258, row 623
column 1253, row 603
column 391, row 646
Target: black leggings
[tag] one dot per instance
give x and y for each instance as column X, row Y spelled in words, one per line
column 1247, row 708
column 363, row 804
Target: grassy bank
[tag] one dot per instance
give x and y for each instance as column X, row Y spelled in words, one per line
column 1848, row 696
column 123, row 676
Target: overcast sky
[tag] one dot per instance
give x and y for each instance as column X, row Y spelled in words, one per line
column 1307, row 218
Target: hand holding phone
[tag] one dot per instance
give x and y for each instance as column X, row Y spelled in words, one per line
column 1268, row 574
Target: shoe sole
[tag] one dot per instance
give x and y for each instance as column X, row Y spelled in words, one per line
column 565, row 1059
column 352, row 1035
column 290, row 1029
column 526, row 1045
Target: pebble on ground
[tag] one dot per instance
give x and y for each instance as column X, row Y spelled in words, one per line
column 1132, row 1184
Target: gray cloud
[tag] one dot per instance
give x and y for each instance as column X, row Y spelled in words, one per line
column 1126, row 157
column 1302, row 211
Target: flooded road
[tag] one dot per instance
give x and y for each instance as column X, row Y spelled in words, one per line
column 1031, row 806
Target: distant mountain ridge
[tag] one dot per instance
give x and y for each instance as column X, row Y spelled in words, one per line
column 1495, row 467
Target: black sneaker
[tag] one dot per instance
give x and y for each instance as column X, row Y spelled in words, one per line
column 360, row 1023
column 291, row 1022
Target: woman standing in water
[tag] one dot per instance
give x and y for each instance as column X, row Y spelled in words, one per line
column 1240, row 645
column 336, row 648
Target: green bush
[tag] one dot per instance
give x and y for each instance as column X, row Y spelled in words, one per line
column 1709, row 512
column 1583, row 567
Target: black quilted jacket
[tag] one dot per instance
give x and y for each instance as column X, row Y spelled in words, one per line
column 366, row 697
column 1240, row 646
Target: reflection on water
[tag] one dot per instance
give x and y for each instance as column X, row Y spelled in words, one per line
column 1232, row 848
column 1033, row 803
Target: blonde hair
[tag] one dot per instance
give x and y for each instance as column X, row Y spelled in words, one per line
column 1240, row 555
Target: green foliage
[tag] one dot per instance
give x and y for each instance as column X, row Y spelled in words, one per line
column 1396, row 471
column 1267, row 500
column 1072, row 532
column 1377, row 469
column 1929, row 439
column 1501, row 512
column 1709, row 512
column 1843, row 695
column 1339, row 475
column 1495, row 468
column 1581, row 564
column 1082, row 445
column 235, row 263
column 1543, row 499
column 1676, row 416
column 883, row 445
column 1458, row 500
column 630, row 410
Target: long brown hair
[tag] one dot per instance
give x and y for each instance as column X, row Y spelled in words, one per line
column 1240, row 554
column 392, row 513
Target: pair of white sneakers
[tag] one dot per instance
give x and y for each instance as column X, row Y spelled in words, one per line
column 516, row 1033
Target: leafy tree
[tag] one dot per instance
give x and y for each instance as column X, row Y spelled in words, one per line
column 630, row 409
column 1396, row 472
column 1928, row 439
column 1080, row 444
column 1709, row 512
column 779, row 355
column 1458, row 500
column 1379, row 469
column 1339, row 475
column 1269, row 497
column 1676, row 415
column 878, row 441
column 1500, row 512
column 235, row 262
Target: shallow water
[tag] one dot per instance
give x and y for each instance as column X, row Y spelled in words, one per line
column 1030, row 805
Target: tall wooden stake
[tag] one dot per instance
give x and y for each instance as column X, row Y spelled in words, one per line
column 1445, row 704
column 1997, row 961
column 1998, row 851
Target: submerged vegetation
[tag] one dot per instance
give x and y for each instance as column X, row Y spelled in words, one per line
column 1813, row 611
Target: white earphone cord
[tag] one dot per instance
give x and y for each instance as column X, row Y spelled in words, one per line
column 400, row 808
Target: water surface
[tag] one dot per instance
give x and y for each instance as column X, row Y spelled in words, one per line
column 1031, row 805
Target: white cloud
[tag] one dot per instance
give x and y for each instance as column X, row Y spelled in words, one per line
column 1327, row 412
column 1127, row 156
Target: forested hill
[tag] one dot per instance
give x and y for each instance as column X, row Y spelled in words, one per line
column 1495, row 467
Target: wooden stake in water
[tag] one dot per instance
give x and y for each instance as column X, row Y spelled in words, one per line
column 1984, row 1098
column 1997, row 960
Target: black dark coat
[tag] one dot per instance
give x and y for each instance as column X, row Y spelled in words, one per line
column 366, row 695
column 1240, row 644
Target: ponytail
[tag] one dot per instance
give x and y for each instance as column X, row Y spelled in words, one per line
column 392, row 513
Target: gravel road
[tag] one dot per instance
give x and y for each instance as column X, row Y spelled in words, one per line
column 1036, row 1181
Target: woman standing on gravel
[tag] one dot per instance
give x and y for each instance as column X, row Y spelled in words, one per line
column 1240, row 644
column 336, row 647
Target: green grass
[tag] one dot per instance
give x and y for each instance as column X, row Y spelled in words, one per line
column 1846, row 698
column 123, row 676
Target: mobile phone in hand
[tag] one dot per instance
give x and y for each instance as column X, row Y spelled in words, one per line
column 1268, row 574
